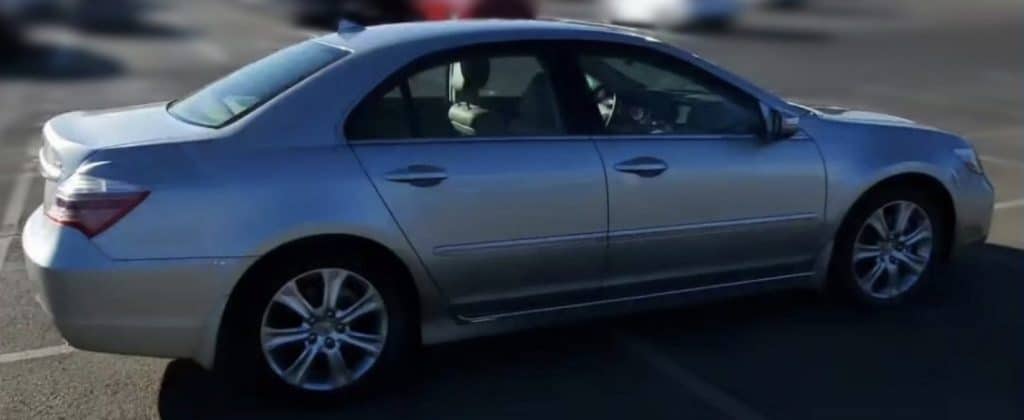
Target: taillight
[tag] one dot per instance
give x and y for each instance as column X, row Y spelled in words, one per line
column 91, row 204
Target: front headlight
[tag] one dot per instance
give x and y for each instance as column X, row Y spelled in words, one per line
column 970, row 159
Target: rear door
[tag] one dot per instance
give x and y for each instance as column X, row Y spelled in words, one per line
column 506, row 208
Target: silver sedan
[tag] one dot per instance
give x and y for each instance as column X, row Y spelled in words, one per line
column 307, row 222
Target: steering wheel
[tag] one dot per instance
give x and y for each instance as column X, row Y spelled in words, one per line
column 607, row 102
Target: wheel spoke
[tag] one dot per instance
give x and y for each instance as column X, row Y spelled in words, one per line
column 338, row 365
column 892, row 275
column 903, row 212
column 877, row 221
column 334, row 280
column 862, row 252
column 922, row 233
column 915, row 263
column 296, row 373
column 277, row 337
column 872, row 277
column 290, row 297
column 369, row 303
column 368, row 342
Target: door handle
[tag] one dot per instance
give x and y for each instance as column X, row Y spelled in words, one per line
column 418, row 175
column 646, row 167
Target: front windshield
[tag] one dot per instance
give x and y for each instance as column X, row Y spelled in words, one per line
column 241, row 92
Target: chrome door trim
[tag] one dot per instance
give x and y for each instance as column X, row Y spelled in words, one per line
column 548, row 241
column 495, row 317
column 699, row 228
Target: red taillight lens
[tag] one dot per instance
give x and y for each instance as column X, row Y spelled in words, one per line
column 92, row 205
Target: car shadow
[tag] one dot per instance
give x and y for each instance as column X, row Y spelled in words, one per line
column 793, row 354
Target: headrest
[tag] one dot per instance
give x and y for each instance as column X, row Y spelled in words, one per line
column 469, row 76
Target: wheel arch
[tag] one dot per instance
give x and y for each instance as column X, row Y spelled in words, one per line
column 920, row 180
column 344, row 243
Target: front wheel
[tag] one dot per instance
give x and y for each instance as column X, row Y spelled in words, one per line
column 890, row 246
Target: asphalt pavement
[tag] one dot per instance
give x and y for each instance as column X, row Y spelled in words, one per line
column 955, row 352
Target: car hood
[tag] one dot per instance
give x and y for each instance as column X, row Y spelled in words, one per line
column 843, row 114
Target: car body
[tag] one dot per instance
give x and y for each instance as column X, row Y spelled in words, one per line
column 478, row 219
column 674, row 13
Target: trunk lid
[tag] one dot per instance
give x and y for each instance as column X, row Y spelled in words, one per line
column 69, row 139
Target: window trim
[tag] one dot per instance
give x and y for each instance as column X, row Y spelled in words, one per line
column 543, row 50
column 678, row 65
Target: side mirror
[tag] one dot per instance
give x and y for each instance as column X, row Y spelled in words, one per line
column 781, row 127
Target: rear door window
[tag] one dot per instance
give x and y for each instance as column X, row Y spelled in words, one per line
column 468, row 95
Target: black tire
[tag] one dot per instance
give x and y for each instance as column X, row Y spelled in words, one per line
column 240, row 357
column 841, row 270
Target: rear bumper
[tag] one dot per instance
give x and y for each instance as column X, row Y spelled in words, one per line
column 161, row 308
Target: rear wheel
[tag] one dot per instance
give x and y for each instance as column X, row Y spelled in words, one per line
column 325, row 327
column 890, row 246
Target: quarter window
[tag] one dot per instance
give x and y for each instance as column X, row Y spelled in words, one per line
column 475, row 95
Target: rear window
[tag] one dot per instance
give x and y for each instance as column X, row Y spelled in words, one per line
column 241, row 92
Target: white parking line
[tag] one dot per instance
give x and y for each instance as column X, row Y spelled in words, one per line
column 1005, row 205
column 12, row 214
column 44, row 352
column 707, row 392
column 39, row 300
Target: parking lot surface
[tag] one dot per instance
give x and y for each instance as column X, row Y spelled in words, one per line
column 955, row 352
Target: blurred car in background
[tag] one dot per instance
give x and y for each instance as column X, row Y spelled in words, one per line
column 373, row 12
column 787, row 4
column 13, row 16
column 10, row 33
column 365, row 12
column 104, row 15
column 470, row 9
column 675, row 14
column 26, row 10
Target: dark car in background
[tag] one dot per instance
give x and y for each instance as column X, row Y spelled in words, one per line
column 366, row 12
column 10, row 34
column 105, row 15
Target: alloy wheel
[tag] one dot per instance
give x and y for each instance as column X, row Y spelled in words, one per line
column 324, row 329
column 892, row 250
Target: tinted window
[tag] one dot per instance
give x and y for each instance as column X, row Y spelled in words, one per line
column 641, row 93
column 475, row 95
column 230, row 98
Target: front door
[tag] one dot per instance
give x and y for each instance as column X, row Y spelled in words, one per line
column 697, row 196
column 470, row 153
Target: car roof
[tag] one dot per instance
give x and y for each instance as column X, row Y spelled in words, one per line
column 441, row 33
